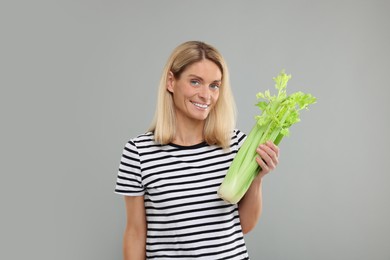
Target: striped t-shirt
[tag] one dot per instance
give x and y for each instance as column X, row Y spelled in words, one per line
column 185, row 217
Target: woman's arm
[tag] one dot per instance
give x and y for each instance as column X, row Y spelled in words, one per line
column 250, row 206
column 134, row 240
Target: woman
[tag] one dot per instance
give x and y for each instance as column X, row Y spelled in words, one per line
column 170, row 175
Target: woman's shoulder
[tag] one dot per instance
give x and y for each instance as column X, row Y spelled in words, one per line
column 237, row 133
column 142, row 139
column 148, row 136
column 238, row 137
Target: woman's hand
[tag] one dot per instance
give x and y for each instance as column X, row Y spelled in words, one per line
column 250, row 206
column 268, row 157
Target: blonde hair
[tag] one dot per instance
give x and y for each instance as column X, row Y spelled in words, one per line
column 222, row 118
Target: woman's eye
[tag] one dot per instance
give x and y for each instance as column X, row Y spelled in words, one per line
column 195, row 82
column 214, row 86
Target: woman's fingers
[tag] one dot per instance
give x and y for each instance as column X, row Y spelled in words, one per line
column 274, row 147
column 269, row 156
column 264, row 167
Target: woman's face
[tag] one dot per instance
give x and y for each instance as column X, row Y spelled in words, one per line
column 196, row 92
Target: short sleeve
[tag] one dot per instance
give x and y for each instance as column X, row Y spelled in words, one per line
column 239, row 137
column 129, row 178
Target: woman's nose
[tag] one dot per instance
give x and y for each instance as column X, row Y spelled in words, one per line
column 205, row 93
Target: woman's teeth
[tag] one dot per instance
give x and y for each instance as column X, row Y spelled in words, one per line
column 204, row 106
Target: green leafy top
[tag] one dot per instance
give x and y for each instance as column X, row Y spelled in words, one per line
column 281, row 111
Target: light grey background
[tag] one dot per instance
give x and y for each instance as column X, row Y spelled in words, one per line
column 79, row 78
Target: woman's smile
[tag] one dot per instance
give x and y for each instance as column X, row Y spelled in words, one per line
column 196, row 91
column 200, row 105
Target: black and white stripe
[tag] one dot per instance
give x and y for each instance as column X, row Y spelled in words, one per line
column 186, row 218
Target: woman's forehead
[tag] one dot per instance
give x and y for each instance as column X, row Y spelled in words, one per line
column 204, row 69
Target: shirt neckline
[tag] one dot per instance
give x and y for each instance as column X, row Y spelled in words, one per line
column 201, row 144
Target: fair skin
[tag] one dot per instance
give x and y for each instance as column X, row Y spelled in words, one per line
column 134, row 238
column 195, row 93
column 250, row 206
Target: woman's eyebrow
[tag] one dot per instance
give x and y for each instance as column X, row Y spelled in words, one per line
column 195, row 76
column 201, row 79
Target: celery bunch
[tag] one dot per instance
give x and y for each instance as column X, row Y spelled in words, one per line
column 278, row 114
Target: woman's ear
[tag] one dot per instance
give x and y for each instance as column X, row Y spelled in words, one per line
column 170, row 81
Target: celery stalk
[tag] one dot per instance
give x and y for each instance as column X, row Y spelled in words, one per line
column 278, row 114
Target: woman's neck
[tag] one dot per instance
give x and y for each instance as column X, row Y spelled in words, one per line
column 189, row 133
